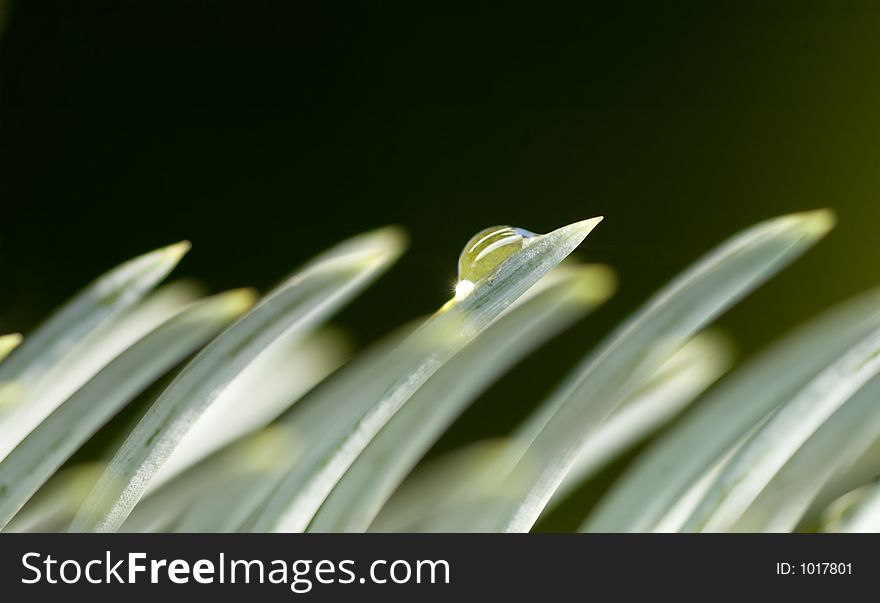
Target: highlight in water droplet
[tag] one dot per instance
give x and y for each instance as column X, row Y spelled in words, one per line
column 485, row 251
column 463, row 289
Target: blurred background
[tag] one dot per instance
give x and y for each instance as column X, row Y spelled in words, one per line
column 265, row 132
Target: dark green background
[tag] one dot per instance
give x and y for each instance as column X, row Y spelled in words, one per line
column 264, row 132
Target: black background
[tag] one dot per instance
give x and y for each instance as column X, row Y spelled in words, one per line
column 265, row 132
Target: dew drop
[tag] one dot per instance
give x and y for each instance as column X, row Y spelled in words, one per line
column 487, row 250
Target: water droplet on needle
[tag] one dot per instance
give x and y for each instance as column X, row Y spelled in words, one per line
column 484, row 252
